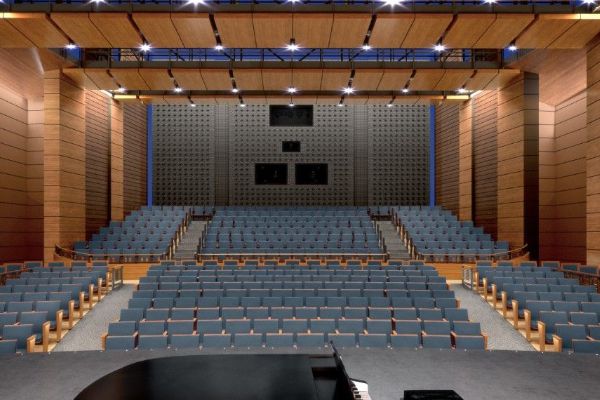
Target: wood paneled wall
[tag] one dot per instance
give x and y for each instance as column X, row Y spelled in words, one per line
column 465, row 163
column 134, row 152
column 485, row 168
column 447, row 156
column 547, row 183
column 116, row 161
column 97, row 166
column 518, row 162
column 593, row 154
column 64, row 162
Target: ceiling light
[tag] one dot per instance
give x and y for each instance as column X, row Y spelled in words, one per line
column 71, row 46
column 439, row 47
column 340, row 104
column 121, row 89
column 291, row 105
column 219, row 47
column 235, row 90
column 461, row 90
column 589, row 1
column 96, row 1
column 145, row 47
column 349, row 90
column 292, row 46
column 389, row 105
column 366, row 47
column 392, row 3
column 178, row 89
column 292, row 89
column 293, row 1
column 513, row 47
column 489, row 1
column 193, row 105
column 405, row 90
column 195, row 2
column 242, row 105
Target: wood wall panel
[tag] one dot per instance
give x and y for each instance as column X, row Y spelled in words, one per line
column 547, row 184
column 134, row 156
column 64, row 162
column 116, row 161
column 447, row 156
column 485, row 206
column 465, row 164
column 97, row 166
column 593, row 154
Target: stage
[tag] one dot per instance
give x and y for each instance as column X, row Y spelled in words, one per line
column 474, row 375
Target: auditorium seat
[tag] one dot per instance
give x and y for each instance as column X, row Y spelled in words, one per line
column 566, row 334
column 586, row 346
column 152, row 342
column 23, row 334
column 406, row 334
column 216, row 340
column 8, row 346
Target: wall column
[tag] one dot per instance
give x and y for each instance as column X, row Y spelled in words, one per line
column 518, row 162
column 64, row 162
column 593, row 154
column 116, row 161
column 465, row 161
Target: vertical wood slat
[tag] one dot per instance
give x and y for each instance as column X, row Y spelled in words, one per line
column 593, row 155
column 465, row 146
column 547, row 183
column 134, row 153
column 447, row 156
column 64, row 162
column 116, row 161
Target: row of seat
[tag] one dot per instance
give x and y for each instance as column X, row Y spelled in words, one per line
column 264, row 288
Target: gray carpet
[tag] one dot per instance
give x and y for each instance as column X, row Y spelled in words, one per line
column 502, row 335
column 85, row 335
column 475, row 375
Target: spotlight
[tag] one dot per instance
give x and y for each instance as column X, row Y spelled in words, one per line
column 242, row 105
column 392, row 3
column 366, row 47
column 513, row 47
column 405, row 90
column 292, row 89
column 70, row 46
column 97, row 1
column 349, row 90
column 461, row 90
column 193, row 105
column 340, row 104
column 235, row 90
column 291, row 105
column 145, row 47
column 195, row 2
column 178, row 89
column 389, row 105
column 292, row 46
column 293, row 1
column 590, row 2
column 219, row 47
column 489, row 1
column 121, row 89
column 439, row 47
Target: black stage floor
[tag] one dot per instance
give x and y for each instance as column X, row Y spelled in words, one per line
column 474, row 375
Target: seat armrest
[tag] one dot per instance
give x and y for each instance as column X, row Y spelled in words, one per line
column 71, row 313
column 45, row 336
column 494, row 295
column 541, row 335
column 515, row 310
column 103, row 340
column 31, row 344
column 558, row 343
column 81, row 301
column 59, row 322
column 504, row 301
column 527, row 314
column 90, row 295
column 476, row 280
column 485, row 292
column 485, row 340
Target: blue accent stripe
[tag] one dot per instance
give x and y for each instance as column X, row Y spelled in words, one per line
column 149, row 156
column 432, row 156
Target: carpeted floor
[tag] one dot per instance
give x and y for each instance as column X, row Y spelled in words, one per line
column 502, row 335
column 85, row 335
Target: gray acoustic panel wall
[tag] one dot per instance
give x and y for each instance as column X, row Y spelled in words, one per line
column 375, row 155
column 398, row 154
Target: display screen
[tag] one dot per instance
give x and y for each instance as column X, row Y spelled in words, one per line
column 311, row 174
column 270, row 174
column 290, row 116
column 290, row 147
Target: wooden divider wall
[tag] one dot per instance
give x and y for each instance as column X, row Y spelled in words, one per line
column 593, row 154
column 447, row 156
column 134, row 157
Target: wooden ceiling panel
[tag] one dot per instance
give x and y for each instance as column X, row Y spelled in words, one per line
column 158, row 29
column 504, row 76
column 426, row 79
column 177, row 100
column 255, row 99
column 504, row 29
column 390, row 30
column 545, row 30
column 482, row 79
column 335, row 79
column 78, row 76
column 204, row 100
column 101, row 78
column 189, row 78
column 216, row 79
column 80, row 28
column 579, row 34
column 329, row 100
column 367, row 79
column 117, row 29
column 38, row 28
column 194, row 30
column 467, row 30
column 231, row 100
column 312, row 30
column 379, row 99
column 426, row 30
column 159, row 79
column 307, row 79
column 10, row 37
column 236, row 30
column 349, row 30
column 453, row 79
column 394, row 79
column 130, row 78
column 277, row 79
column 356, row 100
column 248, row 79
column 272, row 30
